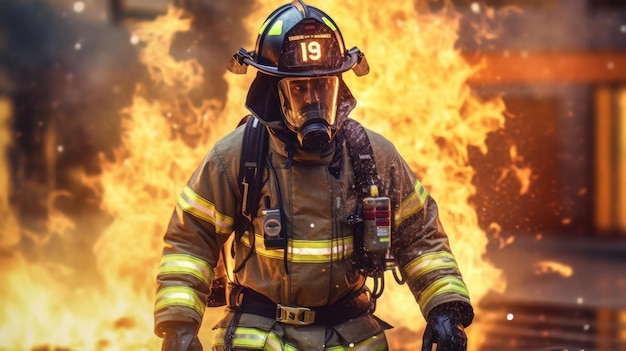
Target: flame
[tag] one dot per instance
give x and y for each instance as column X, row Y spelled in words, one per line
column 546, row 267
column 416, row 95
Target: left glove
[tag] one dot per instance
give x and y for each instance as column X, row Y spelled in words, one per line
column 444, row 328
column 179, row 336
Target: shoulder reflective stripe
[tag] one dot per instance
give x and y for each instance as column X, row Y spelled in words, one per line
column 441, row 286
column 250, row 338
column 305, row 251
column 277, row 28
column 194, row 204
column 329, row 24
column 179, row 296
column 413, row 203
column 429, row 262
column 186, row 264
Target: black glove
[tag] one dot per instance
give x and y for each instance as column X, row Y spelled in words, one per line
column 444, row 328
column 180, row 336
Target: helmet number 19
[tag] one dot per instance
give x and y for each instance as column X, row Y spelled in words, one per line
column 311, row 50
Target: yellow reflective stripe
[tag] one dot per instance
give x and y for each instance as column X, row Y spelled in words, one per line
column 179, row 296
column 197, row 206
column 268, row 341
column 429, row 262
column 250, row 338
column 412, row 204
column 273, row 342
column 443, row 286
column 329, row 23
column 186, row 264
column 277, row 28
column 307, row 251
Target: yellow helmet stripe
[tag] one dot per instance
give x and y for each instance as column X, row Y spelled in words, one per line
column 329, row 23
column 277, row 28
column 446, row 285
column 264, row 26
column 197, row 206
column 412, row 203
column 179, row 296
column 429, row 262
column 186, row 264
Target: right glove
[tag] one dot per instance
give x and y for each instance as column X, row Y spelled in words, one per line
column 444, row 328
column 180, row 336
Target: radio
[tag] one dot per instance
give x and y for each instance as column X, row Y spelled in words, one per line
column 376, row 217
column 273, row 236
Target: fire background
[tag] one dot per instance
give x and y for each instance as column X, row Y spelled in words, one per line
column 557, row 231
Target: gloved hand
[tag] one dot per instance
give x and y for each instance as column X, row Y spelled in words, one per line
column 444, row 328
column 180, row 336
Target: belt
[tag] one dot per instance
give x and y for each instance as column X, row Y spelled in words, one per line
column 245, row 300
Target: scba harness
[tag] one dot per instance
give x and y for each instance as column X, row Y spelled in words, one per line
column 371, row 220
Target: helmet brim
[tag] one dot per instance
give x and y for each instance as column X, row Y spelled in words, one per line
column 351, row 60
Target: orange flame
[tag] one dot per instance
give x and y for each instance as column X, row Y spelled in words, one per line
column 416, row 95
column 546, row 267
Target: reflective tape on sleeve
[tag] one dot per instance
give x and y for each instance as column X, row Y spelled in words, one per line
column 446, row 285
column 179, row 296
column 186, row 264
column 199, row 207
column 429, row 262
column 412, row 203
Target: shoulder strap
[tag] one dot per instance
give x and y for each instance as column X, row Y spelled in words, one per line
column 252, row 164
column 253, row 153
column 254, row 150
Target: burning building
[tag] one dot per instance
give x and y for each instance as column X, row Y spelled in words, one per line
column 105, row 107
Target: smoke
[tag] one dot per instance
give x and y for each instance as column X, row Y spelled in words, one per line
column 68, row 76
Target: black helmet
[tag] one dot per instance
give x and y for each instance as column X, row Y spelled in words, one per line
column 298, row 40
column 300, row 55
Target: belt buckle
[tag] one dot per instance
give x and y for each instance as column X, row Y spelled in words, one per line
column 294, row 315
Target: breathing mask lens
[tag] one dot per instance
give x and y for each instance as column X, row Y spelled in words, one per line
column 309, row 105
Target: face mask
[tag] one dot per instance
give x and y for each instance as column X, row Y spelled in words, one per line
column 309, row 105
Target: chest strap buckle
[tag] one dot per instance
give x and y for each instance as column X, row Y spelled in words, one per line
column 294, row 315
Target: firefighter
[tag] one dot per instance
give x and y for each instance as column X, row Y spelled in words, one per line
column 298, row 270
